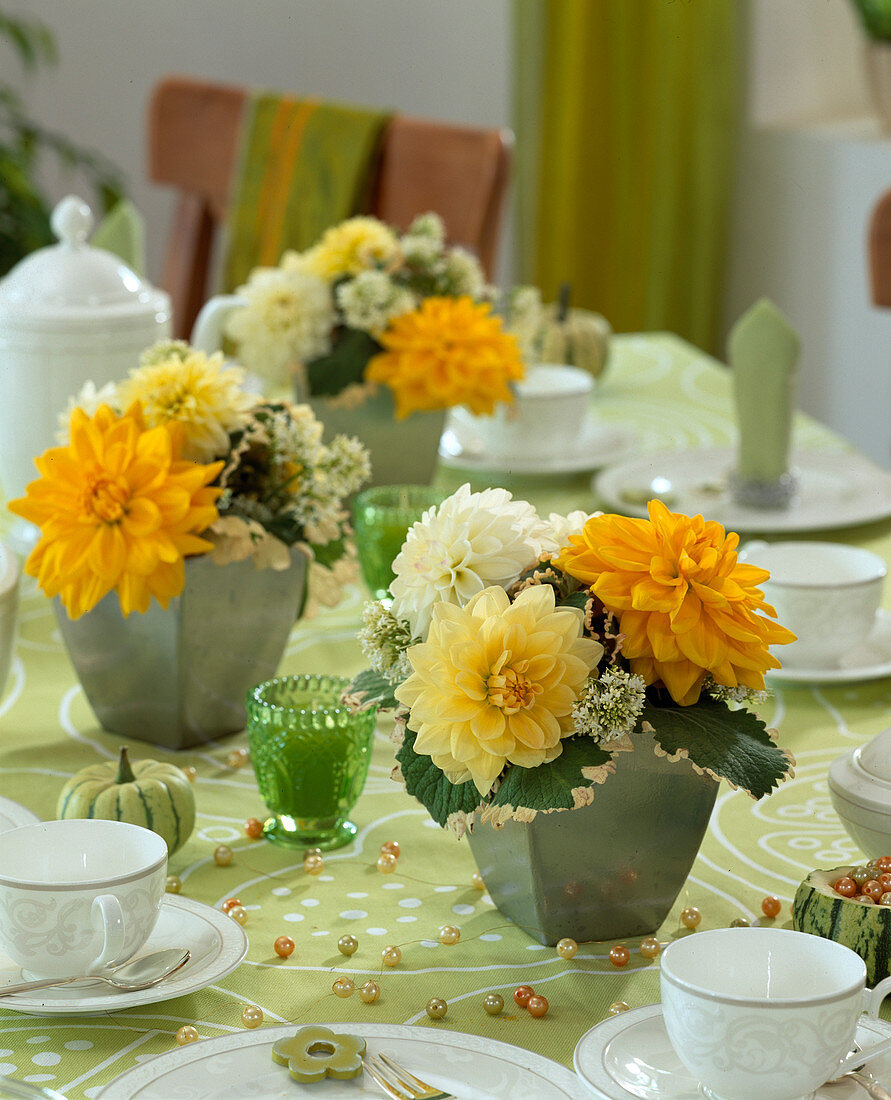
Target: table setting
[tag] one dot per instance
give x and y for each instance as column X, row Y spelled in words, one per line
column 307, row 774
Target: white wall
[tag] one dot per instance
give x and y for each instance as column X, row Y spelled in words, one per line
column 437, row 58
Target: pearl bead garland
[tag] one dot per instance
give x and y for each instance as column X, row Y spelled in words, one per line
column 189, row 771
column 477, row 880
column 567, row 948
column 347, row 945
column 237, row 758
column 187, row 1034
column 650, row 947
column 391, row 956
column 387, row 863
column 369, row 992
column 283, row 946
column 493, row 1003
column 618, row 1006
column 619, row 955
column 239, row 914
column 254, row 828
column 313, row 864
column 449, row 934
column 343, row 987
column 252, row 1016
column 437, row 1008
column 537, row 1005
column 174, row 884
column 222, row 855
column 690, row 917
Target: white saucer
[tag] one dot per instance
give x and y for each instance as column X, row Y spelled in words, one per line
column 218, row 944
column 630, row 1055
column 867, row 661
column 597, row 445
column 12, row 815
column 835, row 489
column 239, row 1065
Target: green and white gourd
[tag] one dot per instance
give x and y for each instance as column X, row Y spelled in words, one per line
column 149, row 793
column 866, row 929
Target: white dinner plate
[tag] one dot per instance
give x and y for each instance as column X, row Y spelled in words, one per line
column 835, row 489
column 869, row 660
column 597, row 445
column 630, row 1055
column 239, row 1065
column 12, row 814
column 218, row 944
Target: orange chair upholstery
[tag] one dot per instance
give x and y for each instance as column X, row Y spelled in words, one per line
column 459, row 172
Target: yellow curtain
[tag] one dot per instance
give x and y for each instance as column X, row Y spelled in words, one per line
column 626, row 116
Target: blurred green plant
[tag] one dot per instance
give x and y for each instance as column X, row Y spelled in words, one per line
column 24, row 210
column 876, row 18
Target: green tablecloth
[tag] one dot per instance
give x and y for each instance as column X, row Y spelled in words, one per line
column 673, row 397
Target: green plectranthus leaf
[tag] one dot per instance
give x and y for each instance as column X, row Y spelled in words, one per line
column 370, row 687
column 565, row 784
column 425, row 782
column 344, row 365
column 732, row 745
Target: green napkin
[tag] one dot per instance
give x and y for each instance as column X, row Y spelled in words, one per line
column 122, row 232
column 763, row 351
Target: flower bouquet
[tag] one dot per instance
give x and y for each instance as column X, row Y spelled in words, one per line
column 158, row 482
column 393, row 325
column 525, row 658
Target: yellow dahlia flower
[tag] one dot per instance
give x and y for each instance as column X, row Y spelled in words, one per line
column 686, row 605
column 118, row 509
column 449, row 351
column 353, row 246
column 495, row 683
column 178, row 383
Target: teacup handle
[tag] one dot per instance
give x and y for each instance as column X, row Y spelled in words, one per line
column 106, row 913
column 872, row 1002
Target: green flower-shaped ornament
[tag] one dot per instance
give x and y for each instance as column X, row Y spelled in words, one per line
column 317, row 1052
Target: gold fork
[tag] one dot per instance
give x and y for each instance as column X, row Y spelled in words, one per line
column 398, row 1083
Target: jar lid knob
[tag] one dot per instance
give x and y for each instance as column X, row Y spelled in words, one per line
column 72, row 221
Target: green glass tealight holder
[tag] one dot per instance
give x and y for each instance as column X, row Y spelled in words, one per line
column 310, row 755
column 382, row 516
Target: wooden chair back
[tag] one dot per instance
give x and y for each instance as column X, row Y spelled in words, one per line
column 460, row 172
column 880, row 251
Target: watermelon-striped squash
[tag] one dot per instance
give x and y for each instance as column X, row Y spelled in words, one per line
column 866, row 929
column 150, row 793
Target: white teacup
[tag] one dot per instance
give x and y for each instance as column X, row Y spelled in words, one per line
column 764, row 1013
column 546, row 416
column 825, row 592
column 80, row 895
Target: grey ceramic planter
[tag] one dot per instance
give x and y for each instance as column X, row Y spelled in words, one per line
column 403, row 452
column 606, row 871
column 179, row 677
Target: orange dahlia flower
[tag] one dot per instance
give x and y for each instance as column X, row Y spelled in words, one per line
column 449, row 351
column 118, row 509
column 686, row 606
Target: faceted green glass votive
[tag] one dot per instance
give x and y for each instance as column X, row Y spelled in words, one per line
column 310, row 756
column 381, row 518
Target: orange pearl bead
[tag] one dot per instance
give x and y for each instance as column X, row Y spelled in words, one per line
column 254, row 828
column 230, row 903
column 650, row 947
column 237, row 758
column 522, row 994
column 391, row 848
column 845, row 886
column 691, row 917
column 771, row 906
column 284, row 946
column 619, row 955
column 537, row 1005
column 873, row 888
column 884, row 863
column 189, row 771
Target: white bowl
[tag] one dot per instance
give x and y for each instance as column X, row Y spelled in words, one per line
column 860, row 788
column 9, row 606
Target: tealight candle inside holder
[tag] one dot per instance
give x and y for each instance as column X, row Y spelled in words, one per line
column 382, row 516
column 310, row 755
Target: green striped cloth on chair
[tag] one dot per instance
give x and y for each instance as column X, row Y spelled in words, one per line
column 304, row 166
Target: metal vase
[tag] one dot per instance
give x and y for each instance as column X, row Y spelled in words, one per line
column 609, row 870
column 403, row 452
column 178, row 677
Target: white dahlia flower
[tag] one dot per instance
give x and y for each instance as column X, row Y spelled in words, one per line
column 471, row 541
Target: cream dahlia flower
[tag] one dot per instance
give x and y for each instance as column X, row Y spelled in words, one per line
column 470, row 541
column 287, row 320
column 177, row 384
column 495, row 683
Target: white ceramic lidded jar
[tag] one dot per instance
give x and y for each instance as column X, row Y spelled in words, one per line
column 69, row 314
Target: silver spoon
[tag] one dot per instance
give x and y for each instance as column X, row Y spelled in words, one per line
column 873, row 1088
column 138, row 973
